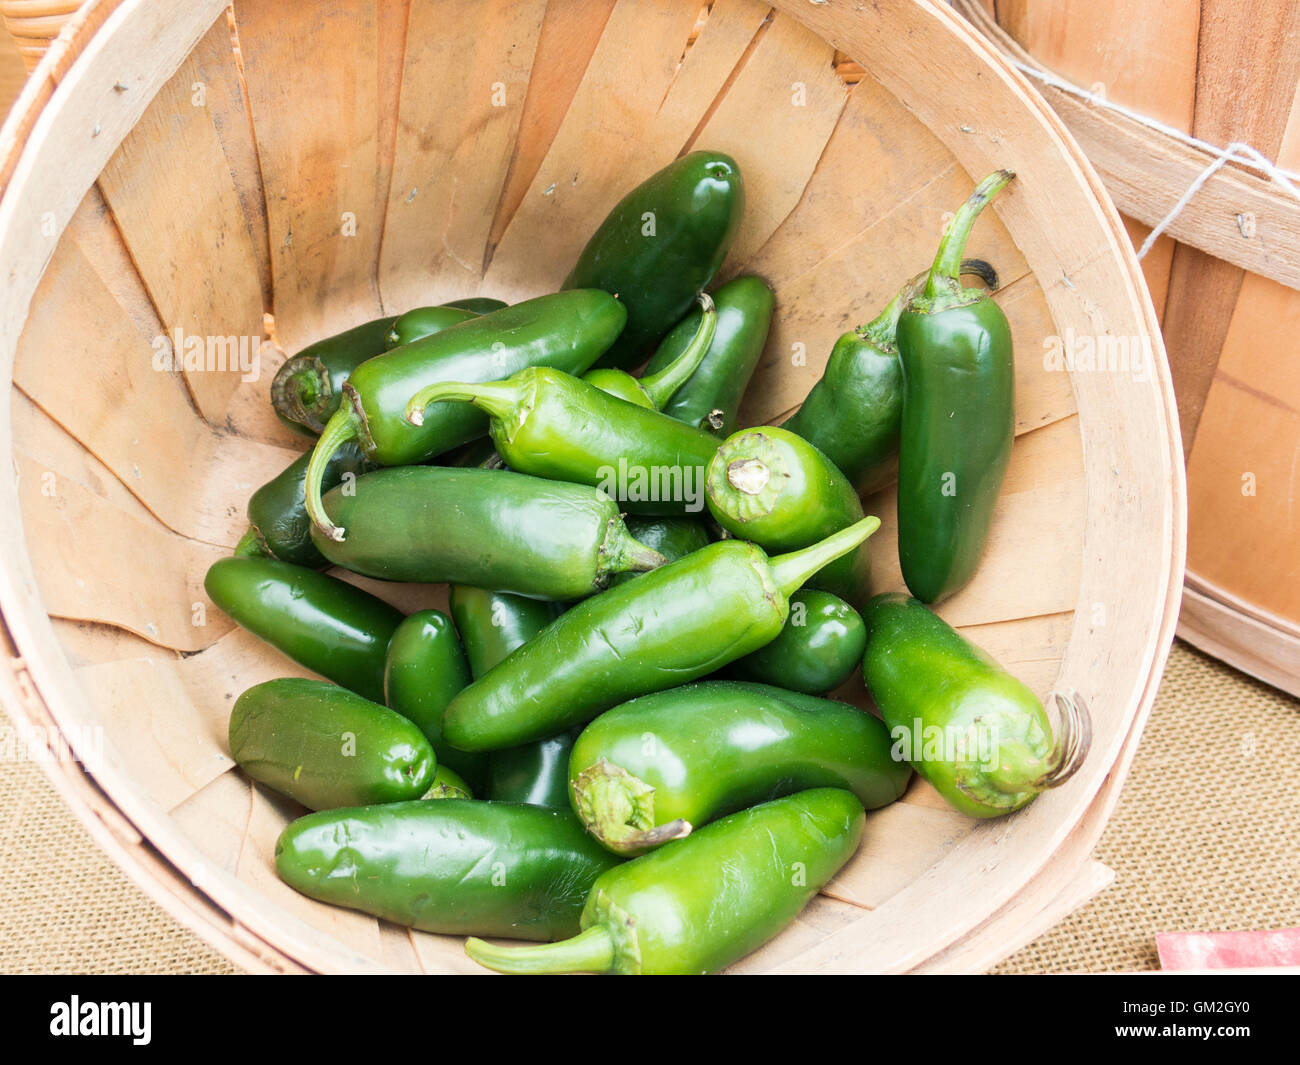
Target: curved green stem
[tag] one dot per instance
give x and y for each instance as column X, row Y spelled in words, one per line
column 497, row 398
column 946, row 271
column 661, row 386
column 791, row 570
column 591, row 951
column 881, row 330
column 342, row 427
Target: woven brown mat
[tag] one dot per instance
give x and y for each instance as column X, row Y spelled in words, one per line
column 1205, row 837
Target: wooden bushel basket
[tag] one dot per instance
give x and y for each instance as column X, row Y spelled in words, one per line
column 326, row 163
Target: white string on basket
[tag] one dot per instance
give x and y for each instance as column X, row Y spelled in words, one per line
column 1236, row 152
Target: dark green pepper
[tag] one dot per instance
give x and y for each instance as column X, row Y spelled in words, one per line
column 711, row 397
column 567, row 331
column 454, row 866
column 426, row 321
column 319, row 621
column 774, row 488
column 959, row 416
column 277, row 512
column 489, row 528
column 653, row 390
column 673, row 538
column 660, row 247
column 817, row 651
column 306, row 388
column 326, row 746
column 701, row 903
column 478, row 304
column 448, row 784
column 673, row 625
column 550, row 424
column 535, row 773
column 659, row 766
column 424, row 669
column 970, row 728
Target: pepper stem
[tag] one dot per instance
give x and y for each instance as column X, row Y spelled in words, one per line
column 301, row 390
column 621, row 552
column 881, row 330
column 251, row 545
column 341, row 428
column 591, row 951
column 660, row 386
column 618, row 808
column 945, row 274
column 791, row 570
column 497, row 398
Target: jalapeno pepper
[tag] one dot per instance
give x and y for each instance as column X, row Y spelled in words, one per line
column 550, row 424
column 326, row 746
column 653, row 769
column 456, row 866
column 701, row 903
column 774, row 488
column 277, row 512
column 424, row 668
column 678, row 623
column 653, row 390
column 673, row 538
column 448, row 784
column 817, row 651
column 319, row 621
column 970, row 728
column 954, row 345
column 567, row 331
column 535, row 773
column 489, row 528
column 854, row 412
column 711, row 397
column 660, row 247
column 426, row 321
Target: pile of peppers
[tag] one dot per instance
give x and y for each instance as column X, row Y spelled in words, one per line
column 622, row 744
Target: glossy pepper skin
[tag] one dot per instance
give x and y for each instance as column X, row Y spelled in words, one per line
column 553, row 425
column 653, row 390
column 565, row 331
column 660, row 247
column 305, row 390
column 327, row 747
column 277, row 512
column 817, row 651
column 454, row 866
column 425, row 321
column 673, row 538
column 970, row 728
column 954, row 345
column 319, row 621
column 542, row 539
column 673, row 911
column 671, row 626
column 654, row 769
column 711, row 397
column 774, row 488
column 535, row 773
column 448, row 784
column 425, row 667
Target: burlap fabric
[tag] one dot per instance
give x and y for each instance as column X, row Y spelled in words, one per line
column 1204, row 837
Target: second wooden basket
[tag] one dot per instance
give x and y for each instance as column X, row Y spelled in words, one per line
column 183, row 172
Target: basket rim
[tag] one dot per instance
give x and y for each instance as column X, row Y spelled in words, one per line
column 64, row 77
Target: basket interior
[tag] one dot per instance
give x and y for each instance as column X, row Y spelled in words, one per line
column 299, row 174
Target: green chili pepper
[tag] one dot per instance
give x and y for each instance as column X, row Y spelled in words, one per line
column 550, row 424
column 711, row 398
column 970, row 728
column 567, row 331
column 448, row 784
column 774, row 488
column 701, row 903
column 319, row 621
column 426, row 321
column 653, row 390
column 478, row 304
column 456, row 866
column 817, row 651
column 958, row 421
column 326, row 746
column 535, row 773
column 424, row 669
column 306, row 388
column 277, row 512
column 660, row 247
column 489, row 528
column 659, row 766
column 854, row 411
column 678, row 623
column 673, row 538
